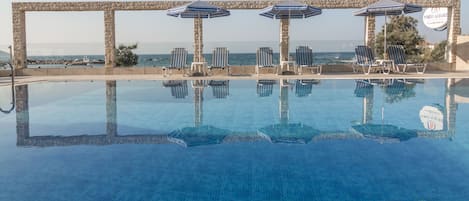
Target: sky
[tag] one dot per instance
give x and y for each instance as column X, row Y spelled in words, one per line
column 82, row 32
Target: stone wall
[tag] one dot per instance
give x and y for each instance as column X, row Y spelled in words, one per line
column 163, row 5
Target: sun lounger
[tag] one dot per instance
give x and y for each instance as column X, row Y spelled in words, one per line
column 366, row 60
column 304, row 58
column 264, row 58
column 397, row 54
column 178, row 60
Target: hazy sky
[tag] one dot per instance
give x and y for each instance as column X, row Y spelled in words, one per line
column 155, row 26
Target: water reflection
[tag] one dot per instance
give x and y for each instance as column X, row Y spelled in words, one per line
column 283, row 131
column 179, row 88
column 265, row 87
column 286, row 132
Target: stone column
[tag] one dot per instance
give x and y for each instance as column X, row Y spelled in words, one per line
column 22, row 114
column 198, row 40
column 284, row 39
column 110, row 38
column 283, row 102
column 450, row 107
column 111, row 109
column 454, row 30
column 370, row 26
column 19, row 38
column 198, row 86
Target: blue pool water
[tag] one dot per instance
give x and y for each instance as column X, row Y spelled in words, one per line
column 236, row 140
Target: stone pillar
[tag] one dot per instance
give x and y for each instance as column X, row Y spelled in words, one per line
column 284, row 39
column 283, row 102
column 198, row 102
column 450, row 107
column 454, row 30
column 111, row 109
column 198, row 40
column 370, row 26
column 368, row 108
column 22, row 114
column 19, row 38
column 110, row 39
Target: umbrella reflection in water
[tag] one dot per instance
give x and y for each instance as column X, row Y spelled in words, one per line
column 285, row 132
column 199, row 134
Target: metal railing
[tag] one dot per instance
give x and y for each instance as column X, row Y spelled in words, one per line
column 12, row 91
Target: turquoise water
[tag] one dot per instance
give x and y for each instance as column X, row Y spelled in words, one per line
column 149, row 60
column 236, row 140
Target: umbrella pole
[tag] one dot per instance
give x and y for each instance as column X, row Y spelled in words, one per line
column 385, row 55
column 284, row 40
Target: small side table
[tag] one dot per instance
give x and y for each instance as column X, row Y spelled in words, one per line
column 199, row 67
column 288, row 64
column 387, row 65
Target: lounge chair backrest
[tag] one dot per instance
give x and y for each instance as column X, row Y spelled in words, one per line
column 178, row 58
column 304, row 56
column 364, row 55
column 220, row 57
column 264, row 57
column 397, row 54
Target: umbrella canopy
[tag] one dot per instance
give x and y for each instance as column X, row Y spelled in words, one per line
column 290, row 10
column 385, row 132
column 294, row 133
column 198, row 9
column 387, row 7
column 198, row 136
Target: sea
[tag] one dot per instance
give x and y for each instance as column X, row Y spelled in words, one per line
column 157, row 54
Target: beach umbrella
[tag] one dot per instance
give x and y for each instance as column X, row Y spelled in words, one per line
column 286, row 11
column 385, row 8
column 198, row 10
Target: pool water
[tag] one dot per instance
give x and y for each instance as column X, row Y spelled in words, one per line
column 236, row 140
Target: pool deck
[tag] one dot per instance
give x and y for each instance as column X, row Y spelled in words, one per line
column 428, row 75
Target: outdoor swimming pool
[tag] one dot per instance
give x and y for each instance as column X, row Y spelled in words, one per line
column 236, row 140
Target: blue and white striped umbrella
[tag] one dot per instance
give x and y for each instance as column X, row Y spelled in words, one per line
column 290, row 10
column 198, row 9
column 387, row 7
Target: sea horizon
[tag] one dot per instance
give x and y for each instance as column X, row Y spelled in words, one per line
column 147, row 48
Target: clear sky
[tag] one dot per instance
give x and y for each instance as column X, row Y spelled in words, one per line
column 147, row 27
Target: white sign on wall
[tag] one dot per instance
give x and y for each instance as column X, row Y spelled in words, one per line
column 436, row 18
